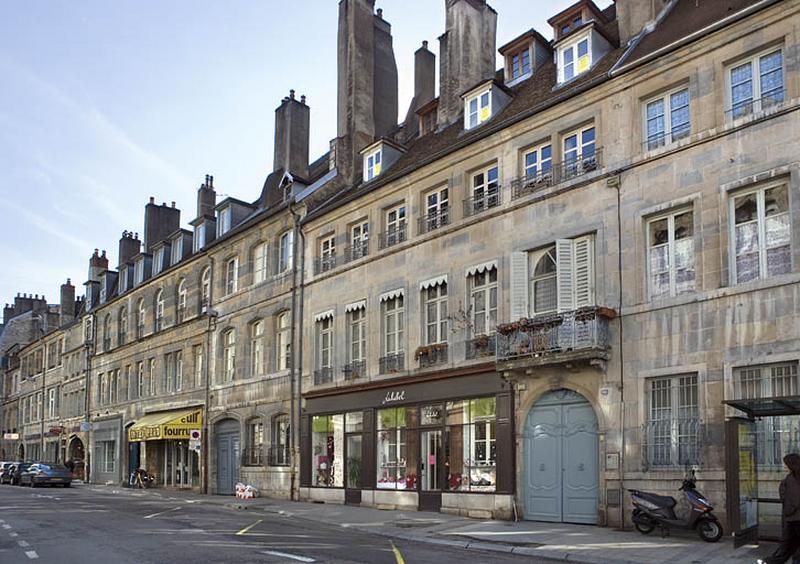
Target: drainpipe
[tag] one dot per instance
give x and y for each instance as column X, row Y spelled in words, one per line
column 212, row 324
column 87, row 466
column 297, row 351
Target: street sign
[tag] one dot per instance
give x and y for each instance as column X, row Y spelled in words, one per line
column 85, row 426
column 11, row 436
column 194, row 434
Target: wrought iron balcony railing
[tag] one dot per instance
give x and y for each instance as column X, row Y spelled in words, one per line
column 433, row 221
column 482, row 346
column 582, row 330
column 393, row 237
column 278, row 455
column 392, row 363
column 253, row 456
column 356, row 251
column 483, row 201
column 354, row 370
column 559, row 172
column 324, row 264
column 748, row 107
column 662, row 139
column 431, row 355
column 323, row 376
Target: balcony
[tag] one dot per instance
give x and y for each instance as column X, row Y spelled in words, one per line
column 481, row 346
column 323, row 376
column 356, row 251
column 253, row 456
column 482, row 201
column 392, row 363
column 393, row 237
column 355, row 370
column 558, row 173
column 748, row 107
column 324, row 264
column 433, row 221
column 431, row 355
column 278, row 455
column 558, row 338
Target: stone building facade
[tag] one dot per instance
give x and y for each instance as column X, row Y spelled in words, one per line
column 533, row 294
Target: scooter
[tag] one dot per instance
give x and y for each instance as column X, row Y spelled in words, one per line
column 651, row 511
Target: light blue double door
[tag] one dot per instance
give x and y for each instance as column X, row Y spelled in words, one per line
column 561, row 460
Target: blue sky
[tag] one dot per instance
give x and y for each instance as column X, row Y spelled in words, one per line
column 105, row 104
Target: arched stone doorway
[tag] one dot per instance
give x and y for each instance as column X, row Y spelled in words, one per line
column 76, row 455
column 228, row 446
column 560, row 449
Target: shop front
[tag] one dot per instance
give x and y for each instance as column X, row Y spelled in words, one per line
column 167, row 445
column 445, row 444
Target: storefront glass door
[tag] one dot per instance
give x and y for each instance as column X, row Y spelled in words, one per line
column 430, row 498
column 354, row 425
column 742, row 479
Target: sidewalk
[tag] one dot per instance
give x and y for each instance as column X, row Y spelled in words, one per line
column 575, row 543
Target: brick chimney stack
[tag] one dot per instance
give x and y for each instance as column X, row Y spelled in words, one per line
column 206, row 198
column 160, row 221
column 292, row 129
column 67, row 311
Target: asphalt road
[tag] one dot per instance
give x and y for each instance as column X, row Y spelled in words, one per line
column 81, row 525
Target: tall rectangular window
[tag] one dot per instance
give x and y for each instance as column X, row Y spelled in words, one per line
column 359, row 240
column 357, row 334
column 224, row 222
column 670, row 254
column 560, row 277
column 756, row 84
column 579, row 152
column 260, row 263
column 483, row 302
column 672, row 429
column 667, row 118
column 393, row 326
column 153, row 380
column 257, row 348
column 325, row 343
column 286, row 251
column 520, row 63
column 283, row 343
column 327, row 253
column 435, row 300
column 51, row 403
column 395, row 226
column 372, row 165
column 231, row 275
column 485, row 191
column 177, row 250
column 141, row 382
column 199, row 365
column 478, row 109
column 539, row 162
column 158, row 260
column 761, row 233
column 437, row 210
column 575, row 59
column 228, row 355
column 199, row 237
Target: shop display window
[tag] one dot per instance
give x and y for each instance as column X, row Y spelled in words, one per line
column 471, row 457
column 327, row 450
column 397, row 449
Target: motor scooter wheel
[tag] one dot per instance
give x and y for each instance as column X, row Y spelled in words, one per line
column 709, row 530
column 644, row 529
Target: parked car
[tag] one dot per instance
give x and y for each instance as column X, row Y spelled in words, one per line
column 39, row 474
column 5, row 472
column 16, row 469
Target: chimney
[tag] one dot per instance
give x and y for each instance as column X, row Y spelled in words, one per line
column 206, row 198
column 67, row 312
column 97, row 265
column 424, row 87
column 367, row 83
column 8, row 313
column 159, row 222
column 292, row 127
column 129, row 247
column 468, row 53
column 634, row 15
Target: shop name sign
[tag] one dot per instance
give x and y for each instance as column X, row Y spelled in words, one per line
column 394, row 397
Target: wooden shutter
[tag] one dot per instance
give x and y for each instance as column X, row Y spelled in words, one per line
column 565, row 274
column 519, row 285
column 584, row 271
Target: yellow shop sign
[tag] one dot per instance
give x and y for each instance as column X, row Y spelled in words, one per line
column 170, row 425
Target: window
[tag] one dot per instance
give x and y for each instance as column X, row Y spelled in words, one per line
column 113, row 386
column 325, row 342
column 359, row 240
column 372, row 165
column 286, row 253
column 180, row 309
column 539, row 162
column 138, row 272
column 756, row 84
column 477, row 109
column 199, row 237
column 105, row 455
column 127, row 390
column 231, row 275
column 327, row 451
column 255, row 442
column 178, row 358
column 123, row 279
column 521, row 63
column 279, row 451
column 153, row 380
column 228, row 355
column 205, row 289
column 395, row 226
column 159, row 310
column 327, row 253
column 575, row 59
column 472, row 443
column 561, row 277
column 51, row 403
column 483, row 302
column 579, row 152
column 141, row 383
column 437, row 210
column 141, row 317
column 357, row 335
column 777, row 436
column 224, row 221
column 158, row 260
column 122, row 335
column 283, row 342
column 667, row 119
column 396, row 464
column 199, row 365
column 107, row 332
column 257, row 348
column 670, row 254
column 177, row 250
column 485, row 191
column 260, row 263
column 673, row 427
column 761, row 233
column 435, row 300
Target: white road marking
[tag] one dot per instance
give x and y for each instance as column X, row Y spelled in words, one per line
column 32, row 554
column 23, row 544
column 161, row 513
column 287, row 555
column 12, row 535
column 6, row 527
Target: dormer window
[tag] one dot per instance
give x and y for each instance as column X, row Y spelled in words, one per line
column 521, row 63
column 372, row 164
column 138, row 272
column 199, row 237
column 224, row 222
column 477, row 109
column 177, row 250
column 575, row 58
column 158, row 260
